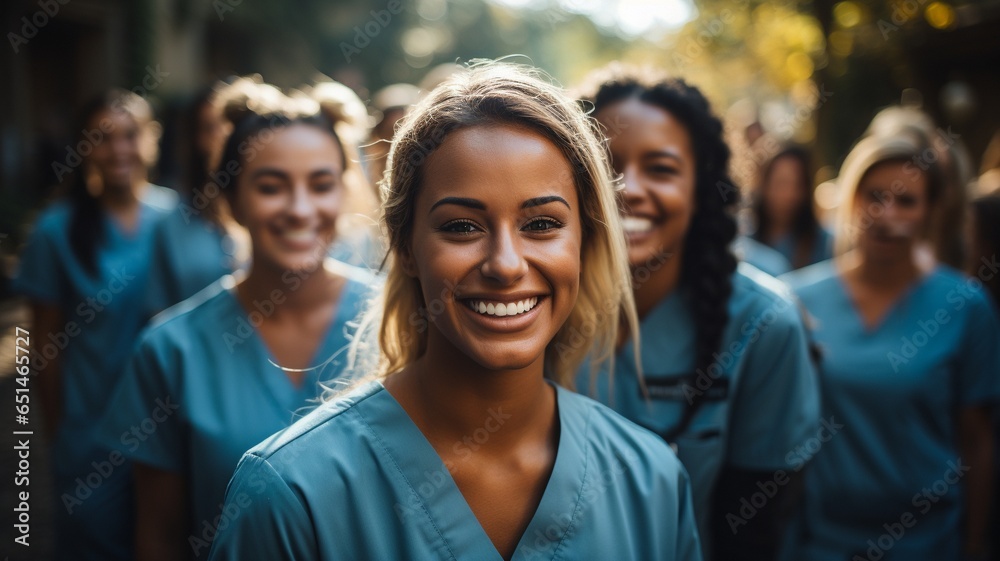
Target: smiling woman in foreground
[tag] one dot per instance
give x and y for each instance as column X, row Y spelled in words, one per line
column 508, row 265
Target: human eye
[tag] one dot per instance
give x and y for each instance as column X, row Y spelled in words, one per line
column 268, row 188
column 542, row 224
column 460, row 226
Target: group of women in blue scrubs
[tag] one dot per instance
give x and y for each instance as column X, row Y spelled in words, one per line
column 532, row 248
column 508, row 267
column 910, row 363
column 85, row 271
column 725, row 369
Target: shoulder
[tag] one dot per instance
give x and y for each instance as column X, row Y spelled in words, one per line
column 179, row 322
column 758, row 296
column 809, row 280
column 160, row 199
column 960, row 291
column 53, row 220
column 616, row 441
column 332, row 428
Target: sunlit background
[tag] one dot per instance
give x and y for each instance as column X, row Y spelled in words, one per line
column 814, row 72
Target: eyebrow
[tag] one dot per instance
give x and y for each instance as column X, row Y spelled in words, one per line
column 664, row 154
column 478, row 205
column 460, row 201
column 283, row 175
column 539, row 201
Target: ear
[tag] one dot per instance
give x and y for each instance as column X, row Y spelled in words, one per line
column 405, row 261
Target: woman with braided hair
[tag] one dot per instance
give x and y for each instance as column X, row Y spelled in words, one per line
column 226, row 368
column 726, row 376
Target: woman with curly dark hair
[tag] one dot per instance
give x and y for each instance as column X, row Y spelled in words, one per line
column 784, row 213
column 726, row 373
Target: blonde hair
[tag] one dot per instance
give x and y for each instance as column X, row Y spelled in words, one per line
column 495, row 93
column 868, row 153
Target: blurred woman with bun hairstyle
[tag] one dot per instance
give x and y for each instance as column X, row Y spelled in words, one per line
column 228, row 367
column 507, row 269
column 909, row 368
column 84, row 271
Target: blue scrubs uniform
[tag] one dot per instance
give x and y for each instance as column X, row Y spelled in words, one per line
column 102, row 315
column 356, row 479
column 761, row 256
column 189, row 253
column 821, row 250
column 761, row 404
column 888, row 483
column 200, row 391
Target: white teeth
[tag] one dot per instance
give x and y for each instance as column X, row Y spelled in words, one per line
column 636, row 225
column 500, row 309
column 299, row 235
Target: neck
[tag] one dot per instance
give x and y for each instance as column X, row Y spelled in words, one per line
column 120, row 200
column 885, row 273
column 294, row 291
column 453, row 399
column 652, row 282
column 776, row 229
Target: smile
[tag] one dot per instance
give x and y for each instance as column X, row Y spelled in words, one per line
column 636, row 225
column 502, row 309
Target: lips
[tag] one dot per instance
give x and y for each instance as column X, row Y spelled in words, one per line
column 503, row 309
column 301, row 236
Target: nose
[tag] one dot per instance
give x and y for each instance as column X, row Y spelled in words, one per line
column 505, row 262
column 632, row 191
column 300, row 204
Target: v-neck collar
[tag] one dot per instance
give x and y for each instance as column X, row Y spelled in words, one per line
column 905, row 296
column 280, row 386
column 450, row 515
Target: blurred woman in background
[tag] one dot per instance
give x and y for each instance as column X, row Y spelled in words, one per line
column 784, row 213
column 910, row 361
column 194, row 245
column 238, row 360
column 84, row 270
column 726, row 376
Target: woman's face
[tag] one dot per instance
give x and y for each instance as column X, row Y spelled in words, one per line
column 890, row 210
column 496, row 244
column 116, row 158
column 288, row 197
column 652, row 151
column 784, row 192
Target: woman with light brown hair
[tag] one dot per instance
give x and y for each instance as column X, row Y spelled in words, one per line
column 909, row 367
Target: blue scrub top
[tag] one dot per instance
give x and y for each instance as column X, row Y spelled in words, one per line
column 761, row 256
column 102, row 317
column 821, row 250
column 189, row 253
column 894, row 392
column 760, row 406
column 202, row 374
column 356, row 479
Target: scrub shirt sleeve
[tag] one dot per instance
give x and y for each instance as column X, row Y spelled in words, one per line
column 144, row 416
column 688, row 544
column 40, row 275
column 979, row 358
column 777, row 402
column 271, row 523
